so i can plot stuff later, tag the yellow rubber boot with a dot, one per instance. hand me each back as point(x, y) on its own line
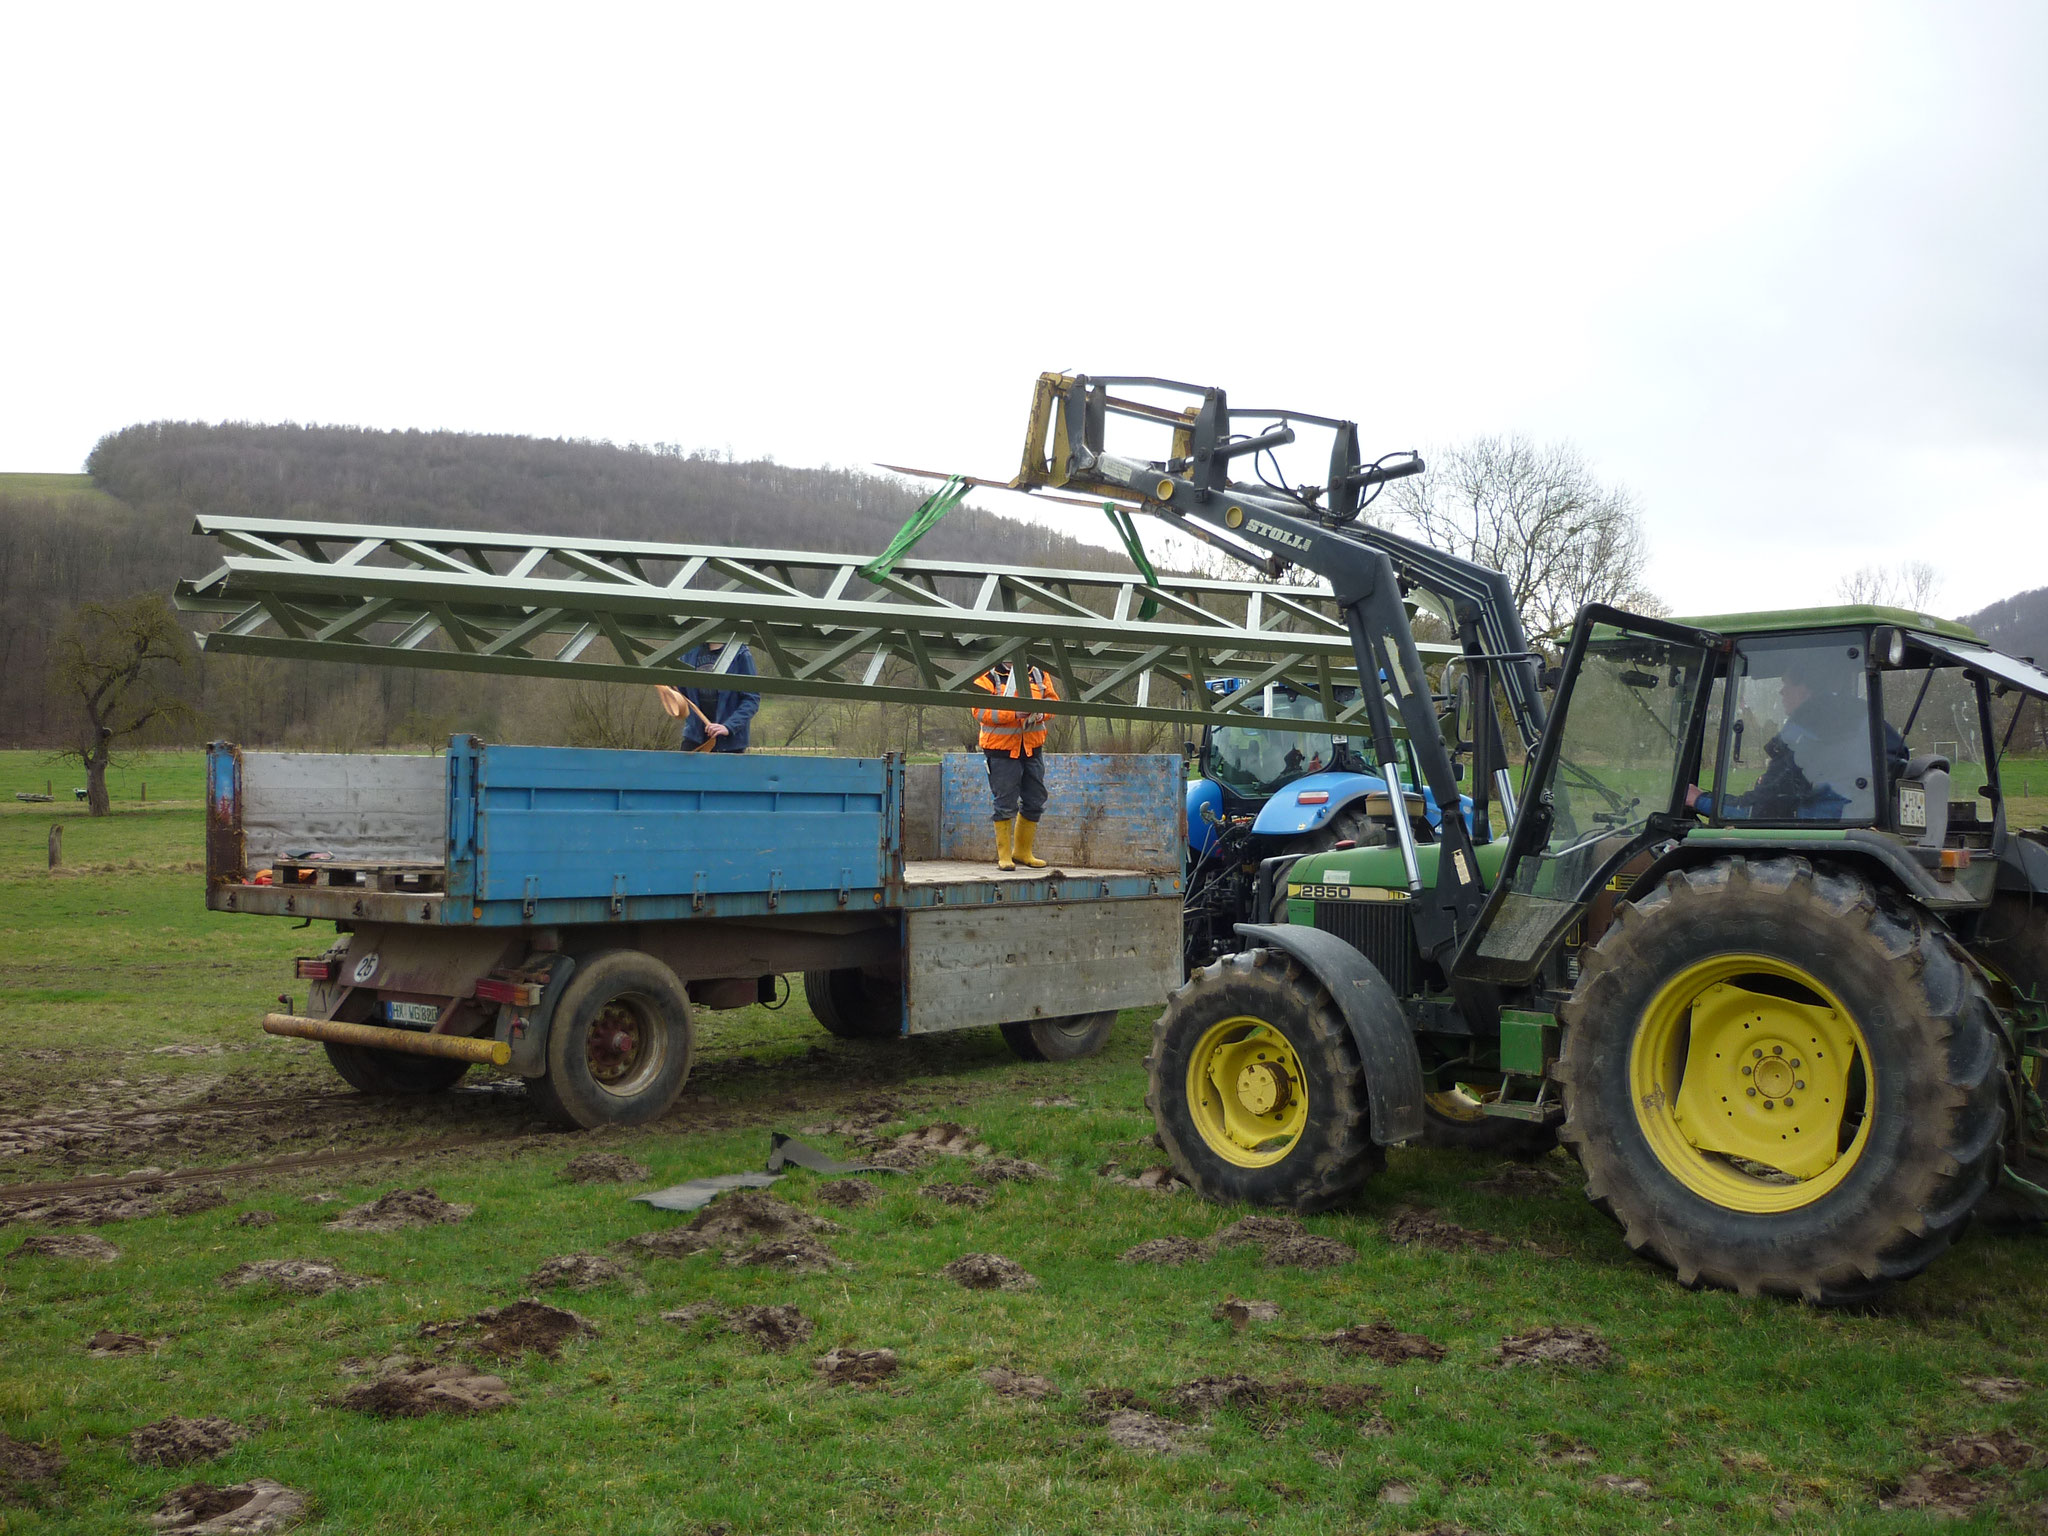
point(1005, 840)
point(1027, 834)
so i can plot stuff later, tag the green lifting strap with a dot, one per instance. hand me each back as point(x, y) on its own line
point(922, 521)
point(1120, 520)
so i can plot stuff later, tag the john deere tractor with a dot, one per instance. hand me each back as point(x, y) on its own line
point(1762, 943)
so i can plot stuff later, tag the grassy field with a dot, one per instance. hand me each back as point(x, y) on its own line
point(74, 491)
point(1714, 1414)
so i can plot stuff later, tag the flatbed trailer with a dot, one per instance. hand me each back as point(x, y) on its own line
point(565, 911)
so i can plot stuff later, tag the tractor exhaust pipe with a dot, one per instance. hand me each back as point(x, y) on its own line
point(410, 1041)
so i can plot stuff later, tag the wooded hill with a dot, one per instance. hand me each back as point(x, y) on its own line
point(66, 540)
point(2018, 625)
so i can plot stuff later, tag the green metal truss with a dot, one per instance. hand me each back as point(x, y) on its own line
point(622, 611)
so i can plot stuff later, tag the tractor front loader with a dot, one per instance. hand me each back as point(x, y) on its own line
point(1748, 946)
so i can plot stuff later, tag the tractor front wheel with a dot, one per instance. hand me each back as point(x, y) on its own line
point(1256, 1087)
point(1778, 1082)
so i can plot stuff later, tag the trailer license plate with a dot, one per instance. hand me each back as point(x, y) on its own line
point(412, 1013)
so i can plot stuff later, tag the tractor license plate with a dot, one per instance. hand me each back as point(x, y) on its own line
point(412, 1013)
point(1912, 806)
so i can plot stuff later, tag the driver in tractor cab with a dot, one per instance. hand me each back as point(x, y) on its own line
point(1818, 763)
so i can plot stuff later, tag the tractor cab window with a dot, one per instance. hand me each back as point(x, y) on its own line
point(1799, 746)
point(1255, 760)
point(1622, 728)
point(1935, 712)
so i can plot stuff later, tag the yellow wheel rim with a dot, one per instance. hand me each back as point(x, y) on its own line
point(1247, 1092)
point(1745, 1094)
point(1463, 1101)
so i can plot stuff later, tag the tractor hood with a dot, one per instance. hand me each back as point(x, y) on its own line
point(1288, 815)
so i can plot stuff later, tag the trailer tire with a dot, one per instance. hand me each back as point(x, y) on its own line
point(393, 1074)
point(1072, 1038)
point(1242, 1018)
point(853, 1005)
point(1736, 970)
point(619, 1046)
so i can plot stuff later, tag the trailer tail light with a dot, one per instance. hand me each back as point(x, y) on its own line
point(1313, 797)
point(315, 970)
point(520, 994)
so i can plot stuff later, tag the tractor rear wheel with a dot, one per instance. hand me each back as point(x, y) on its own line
point(853, 1005)
point(1777, 1082)
point(1256, 1087)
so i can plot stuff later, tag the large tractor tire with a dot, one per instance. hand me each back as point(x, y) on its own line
point(854, 1005)
point(2012, 942)
point(393, 1074)
point(619, 1046)
point(1256, 1087)
point(1071, 1038)
point(1777, 1082)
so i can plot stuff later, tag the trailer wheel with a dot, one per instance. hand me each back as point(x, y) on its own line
point(1256, 1086)
point(1455, 1116)
point(620, 1045)
point(1778, 1082)
point(393, 1073)
point(1065, 1039)
point(853, 1005)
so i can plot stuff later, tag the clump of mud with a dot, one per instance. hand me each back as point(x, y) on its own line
point(25, 1470)
point(957, 1194)
point(746, 1214)
point(256, 1219)
point(1555, 1346)
point(776, 1329)
point(857, 1367)
point(1239, 1314)
point(1274, 1405)
point(848, 1193)
point(1159, 1179)
point(1999, 1389)
point(1006, 1383)
point(1100, 1404)
point(66, 1245)
point(296, 1277)
point(521, 1328)
point(1385, 1343)
point(398, 1210)
point(1012, 1170)
point(1166, 1250)
point(1284, 1242)
point(202, 1197)
point(1147, 1433)
point(107, 1344)
point(793, 1255)
point(668, 1243)
point(1426, 1229)
point(176, 1442)
point(253, 1508)
point(605, 1168)
point(90, 1208)
point(418, 1388)
point(989, 1272)
point(576, 1272)
point(913, 1149)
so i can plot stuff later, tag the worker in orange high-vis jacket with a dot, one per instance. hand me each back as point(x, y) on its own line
point(1013, 742)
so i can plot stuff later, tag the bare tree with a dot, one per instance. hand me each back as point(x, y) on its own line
point(1537, 513)
point(125, 662)
point(1911, 585)
point(617, 715)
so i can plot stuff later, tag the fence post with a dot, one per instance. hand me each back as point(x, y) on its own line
point(56, 844)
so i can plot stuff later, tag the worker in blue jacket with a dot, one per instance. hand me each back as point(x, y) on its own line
point(718, 716)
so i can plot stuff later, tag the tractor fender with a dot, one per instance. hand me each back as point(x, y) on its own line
point(1284, 816)
point(1386, 1044)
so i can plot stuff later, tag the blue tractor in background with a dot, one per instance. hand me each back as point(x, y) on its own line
point(1266, 797)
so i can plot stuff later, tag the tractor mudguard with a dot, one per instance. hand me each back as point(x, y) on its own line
point(1386, 1045)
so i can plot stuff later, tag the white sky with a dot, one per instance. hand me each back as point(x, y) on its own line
point(1780, 269)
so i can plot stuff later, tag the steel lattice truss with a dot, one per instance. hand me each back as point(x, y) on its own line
point(621, 611)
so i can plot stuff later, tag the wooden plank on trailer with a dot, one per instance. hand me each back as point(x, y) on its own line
point(966, 967)
point(368, 807)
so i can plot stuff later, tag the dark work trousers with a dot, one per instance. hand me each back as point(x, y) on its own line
point(1015, 779)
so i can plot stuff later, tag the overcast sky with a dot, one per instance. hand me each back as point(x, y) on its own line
point(1782, 270)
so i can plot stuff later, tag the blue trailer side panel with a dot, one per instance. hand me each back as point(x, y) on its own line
point(535, 829)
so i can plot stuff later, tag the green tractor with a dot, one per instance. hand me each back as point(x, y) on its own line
point(1758, 939)
point(1751, 950)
